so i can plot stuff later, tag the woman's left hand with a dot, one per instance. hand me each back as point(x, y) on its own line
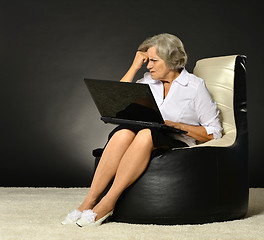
point(197, 132)
point(173, 124)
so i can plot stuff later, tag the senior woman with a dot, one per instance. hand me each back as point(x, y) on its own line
point(184, 103)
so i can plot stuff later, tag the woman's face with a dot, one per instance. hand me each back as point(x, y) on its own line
point(157, 66)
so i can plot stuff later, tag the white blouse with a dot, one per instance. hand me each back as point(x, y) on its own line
point(188, 101)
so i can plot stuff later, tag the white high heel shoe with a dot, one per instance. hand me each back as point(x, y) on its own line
point(88, 219)
point(72, 217)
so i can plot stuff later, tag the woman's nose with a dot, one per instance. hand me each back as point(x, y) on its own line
point(149, 66)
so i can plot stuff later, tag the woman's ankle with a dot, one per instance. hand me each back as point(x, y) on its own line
point(103, 208)
point(87, 204)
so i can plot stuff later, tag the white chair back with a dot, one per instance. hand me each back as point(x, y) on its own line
point(218, 74)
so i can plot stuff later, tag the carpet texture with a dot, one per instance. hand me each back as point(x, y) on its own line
point(36, 213)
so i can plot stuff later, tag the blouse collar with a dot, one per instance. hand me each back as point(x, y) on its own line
point(182, 79)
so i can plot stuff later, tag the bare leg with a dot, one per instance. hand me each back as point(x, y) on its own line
point(131, 166)
point(107, 166)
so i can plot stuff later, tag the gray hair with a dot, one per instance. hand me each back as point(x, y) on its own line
point(169, 48)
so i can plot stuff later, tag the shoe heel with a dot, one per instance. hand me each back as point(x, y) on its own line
point(104, 219)
point(107, 220)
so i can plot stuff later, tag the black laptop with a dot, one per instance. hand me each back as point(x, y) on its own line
point(127, 103)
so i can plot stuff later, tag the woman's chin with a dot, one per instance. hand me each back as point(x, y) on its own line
point(154, 76)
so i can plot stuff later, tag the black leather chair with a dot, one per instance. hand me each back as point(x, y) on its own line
point(204, 183)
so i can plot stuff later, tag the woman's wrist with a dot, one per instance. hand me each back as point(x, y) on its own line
point(129, 76)
point(178, 125)
point(134, 69)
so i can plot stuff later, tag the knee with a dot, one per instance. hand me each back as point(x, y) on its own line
point(144, 137)
point(124, 135)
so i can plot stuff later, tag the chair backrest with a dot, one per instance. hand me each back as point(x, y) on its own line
point(218, 74)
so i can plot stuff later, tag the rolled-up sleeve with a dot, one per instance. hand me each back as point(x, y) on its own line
point(214, 127)
point(207, 112)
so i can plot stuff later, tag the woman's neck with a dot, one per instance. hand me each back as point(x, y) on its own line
point(171, 76)
point(167, 82)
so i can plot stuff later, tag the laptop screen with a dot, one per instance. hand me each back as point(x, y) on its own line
point(131, 101)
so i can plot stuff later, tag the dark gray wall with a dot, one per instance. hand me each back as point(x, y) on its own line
point(49, 124)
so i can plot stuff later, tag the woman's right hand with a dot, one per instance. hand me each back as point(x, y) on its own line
point(139, 60)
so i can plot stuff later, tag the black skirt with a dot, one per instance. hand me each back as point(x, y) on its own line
point(160, 138)
point(161, 141)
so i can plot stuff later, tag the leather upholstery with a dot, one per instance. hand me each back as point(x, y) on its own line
point(205, 183)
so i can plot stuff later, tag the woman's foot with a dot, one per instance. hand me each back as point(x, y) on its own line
point(75, 215)
point(72, 217)
point(88, 219)
point(95, 217)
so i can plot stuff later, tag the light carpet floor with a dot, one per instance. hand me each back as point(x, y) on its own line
point(36, 213)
